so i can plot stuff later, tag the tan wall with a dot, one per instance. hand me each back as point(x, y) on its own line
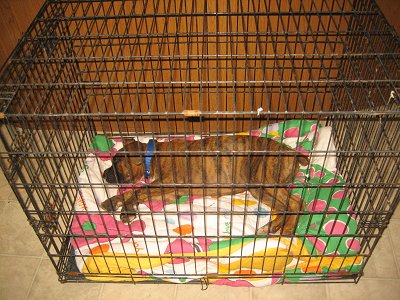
point(15, 17)
point(391, 10)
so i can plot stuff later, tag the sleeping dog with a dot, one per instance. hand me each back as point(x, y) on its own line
point(214, 166)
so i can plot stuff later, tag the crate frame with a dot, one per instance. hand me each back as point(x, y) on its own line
point(356, 93)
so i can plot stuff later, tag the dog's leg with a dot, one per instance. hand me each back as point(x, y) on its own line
point(157, 194)
point(129, 211)
point(288, 208)
point(117, 201)
point(112, 204)
point(296, 207)
point(129, 203)
point(285, 203)
point(130, 200)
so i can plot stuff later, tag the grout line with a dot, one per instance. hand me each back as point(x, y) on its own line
point(363, 278)
point(389, 235)
point(394, 253)
point(327, 291)
point(378, 278)
point(5, 185)
point(176, 291)
point(21, 255)
point(33, 279)
point(101, 292)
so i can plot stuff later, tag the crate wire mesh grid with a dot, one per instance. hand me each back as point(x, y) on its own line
point(89, 74)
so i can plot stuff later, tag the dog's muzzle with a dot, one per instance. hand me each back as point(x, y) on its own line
point(110, 175)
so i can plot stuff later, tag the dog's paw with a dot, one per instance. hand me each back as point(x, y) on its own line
point(112, 204)
point(263, 230)
point(272, 228)
point(268, 229)
point(280, 225)
point(128, 213)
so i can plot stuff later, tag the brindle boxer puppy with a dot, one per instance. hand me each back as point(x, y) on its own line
point(273, 166)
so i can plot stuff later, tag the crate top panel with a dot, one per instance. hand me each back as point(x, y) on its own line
point(107, 58)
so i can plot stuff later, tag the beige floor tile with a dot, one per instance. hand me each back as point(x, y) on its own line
point(5, 190)
point(16, 276)
point(11, 197)
point(370, 268)
point(3, 180)
point(6, 193)
point(396, 214)
point(16, 235)
point(383, 260)
point(138, 291)
point(46, 286)
point(394, 229)
point(3, 206)
point(288, 291)
point(366, 289)
point(214, 292)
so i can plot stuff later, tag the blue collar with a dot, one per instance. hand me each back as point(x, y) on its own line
point(148, 156)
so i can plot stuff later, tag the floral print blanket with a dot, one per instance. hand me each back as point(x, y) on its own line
point(211, 238)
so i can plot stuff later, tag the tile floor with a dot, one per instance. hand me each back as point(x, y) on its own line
point(26, 272)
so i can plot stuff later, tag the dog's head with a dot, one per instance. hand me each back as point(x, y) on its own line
point(127, 164)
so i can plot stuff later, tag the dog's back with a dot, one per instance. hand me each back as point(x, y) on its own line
point(226, 160)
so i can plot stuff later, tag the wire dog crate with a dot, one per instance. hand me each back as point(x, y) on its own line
point(321, 77)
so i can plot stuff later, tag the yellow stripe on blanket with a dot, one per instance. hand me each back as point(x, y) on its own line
point(254, 253)
point(109, 262)
point(315, 264)
point(120, 263)
point(271, 260)
point(259, 255)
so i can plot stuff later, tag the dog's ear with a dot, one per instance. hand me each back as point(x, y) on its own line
point(133, 149)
